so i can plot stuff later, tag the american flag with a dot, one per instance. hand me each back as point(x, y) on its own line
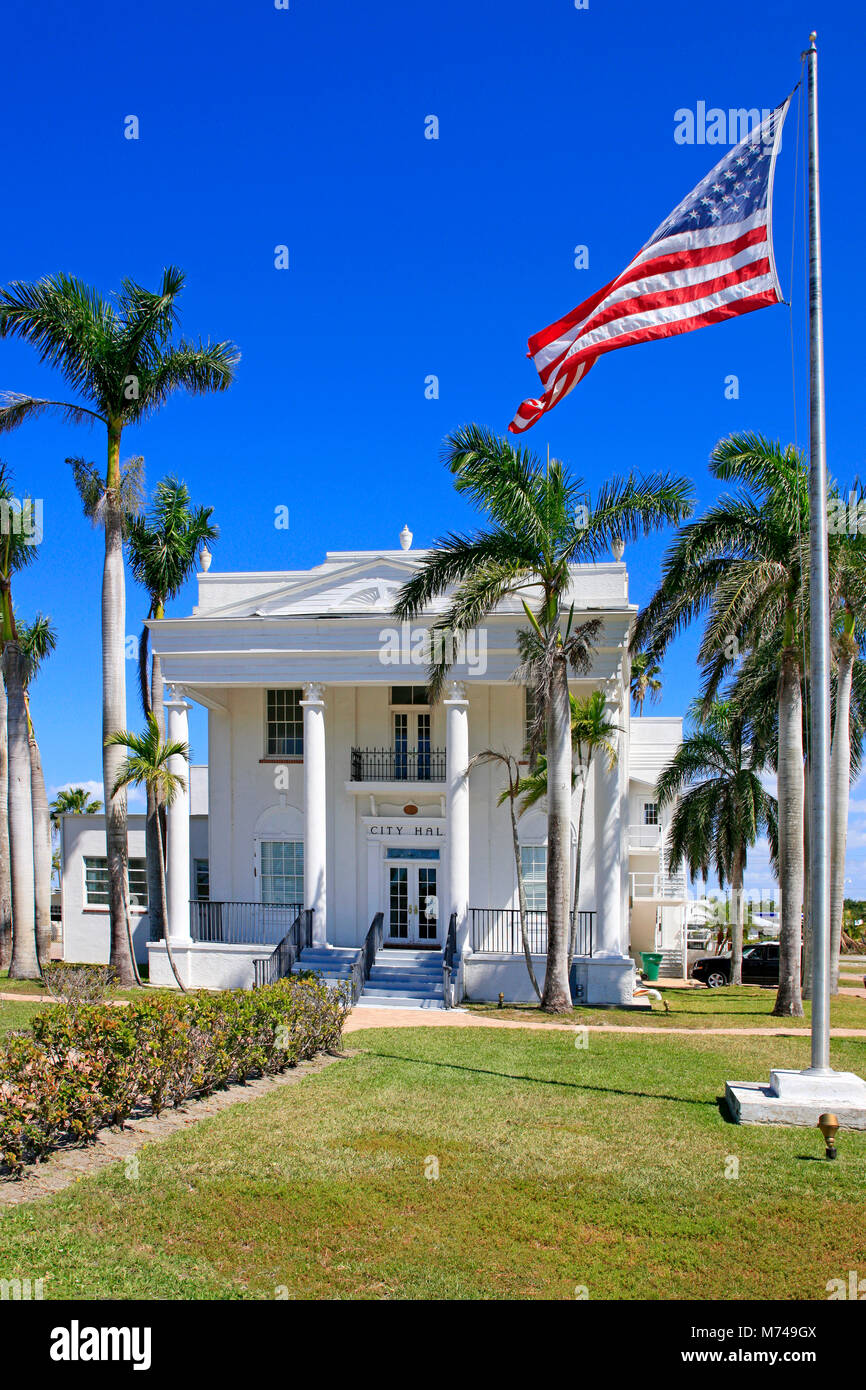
point(710, 260)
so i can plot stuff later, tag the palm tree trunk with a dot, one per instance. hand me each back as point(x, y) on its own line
point(41, 853)
point(156, 704)
point(806, 972)
point(737, 922)
point(164, 906)
point(113, 720)
point(789, 1003)
point(521, 897)
point(5, 878)
point(557, 992)
point(582, 775)
point(24, 964)
point(840, 780)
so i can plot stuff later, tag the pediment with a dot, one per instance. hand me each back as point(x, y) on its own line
point(370, 585)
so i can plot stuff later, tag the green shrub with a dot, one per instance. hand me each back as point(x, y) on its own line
point(84, 1065)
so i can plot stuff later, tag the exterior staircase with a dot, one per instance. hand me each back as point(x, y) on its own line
point(402, 979)
point(671, 964)
point(333, 963)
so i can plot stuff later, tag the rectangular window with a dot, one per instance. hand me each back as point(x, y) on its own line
point(282, 871)
point(201, 879)
point(650, 813)
point(96, 883)
point(409, 695)
point(285, 724)
point(533, 861)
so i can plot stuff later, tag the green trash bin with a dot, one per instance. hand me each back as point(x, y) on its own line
point(651, 962)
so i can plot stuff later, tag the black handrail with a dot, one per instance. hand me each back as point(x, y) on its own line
point(449, 957)
point(398, 765)
point(363, 963)
point(241, 923)
point(498, 929)
point(276, 966)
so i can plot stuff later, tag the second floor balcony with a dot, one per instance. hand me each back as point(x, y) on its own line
point(398, 765)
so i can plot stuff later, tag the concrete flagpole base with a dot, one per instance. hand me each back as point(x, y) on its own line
point(798, 1098)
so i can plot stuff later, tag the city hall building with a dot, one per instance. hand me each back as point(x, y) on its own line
point(334, 787)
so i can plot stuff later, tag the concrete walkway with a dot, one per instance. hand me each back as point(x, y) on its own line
point(370, 1017)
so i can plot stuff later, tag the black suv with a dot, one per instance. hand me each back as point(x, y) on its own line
point(760, 967)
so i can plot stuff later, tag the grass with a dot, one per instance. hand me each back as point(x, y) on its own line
point(748, 1006)
point(558, 1167)
point(16, 1015)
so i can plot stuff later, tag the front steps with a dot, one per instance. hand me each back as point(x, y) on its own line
point(404, 979)
point(333, 963)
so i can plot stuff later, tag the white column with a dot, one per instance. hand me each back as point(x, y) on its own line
point(177, 823)
point(610, 846)
point(457, 807)
point(315, 825)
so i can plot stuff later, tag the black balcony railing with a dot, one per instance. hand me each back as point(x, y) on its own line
point(498, 929)
point(398, 765)
point(241, 924)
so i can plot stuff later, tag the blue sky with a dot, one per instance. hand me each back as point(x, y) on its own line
point(408, 257)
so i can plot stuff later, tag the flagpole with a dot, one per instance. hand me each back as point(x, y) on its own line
point(819, 628)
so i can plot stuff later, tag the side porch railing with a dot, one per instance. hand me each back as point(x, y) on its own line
point(268, 969)
point(241, 923)
point(497, 929)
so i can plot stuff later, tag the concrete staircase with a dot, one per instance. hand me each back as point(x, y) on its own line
point(404, 979)
point(333, 963)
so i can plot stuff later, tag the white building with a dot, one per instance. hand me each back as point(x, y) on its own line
point(84, 880)
point(334, 787)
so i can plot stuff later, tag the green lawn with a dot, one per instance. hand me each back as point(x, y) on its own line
point(748, 1006)
point(15, 1015)
point(558, 1167)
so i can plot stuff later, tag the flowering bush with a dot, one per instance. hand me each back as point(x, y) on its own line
point(85, 1065)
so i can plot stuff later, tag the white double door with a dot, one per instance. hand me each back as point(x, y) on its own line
point(412, 895)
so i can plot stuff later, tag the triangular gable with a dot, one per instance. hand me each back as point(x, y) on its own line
point(369, 584)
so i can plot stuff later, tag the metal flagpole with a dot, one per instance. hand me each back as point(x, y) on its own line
point(819, 633)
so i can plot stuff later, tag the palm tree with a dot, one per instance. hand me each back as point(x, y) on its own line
point(120, 360)
point(746, 563)
point(16, 552)
point(162, 547)
point(540, 522)
point(75, 801)
point(38, 639)
point(847, 564)
point(645, 679)
point(590, 730)
point(147, 765)
point(721, 805)
point(5, 867)
point(510, 794)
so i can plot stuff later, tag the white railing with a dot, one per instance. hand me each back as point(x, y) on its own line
point(644, 836)
point(648, 885)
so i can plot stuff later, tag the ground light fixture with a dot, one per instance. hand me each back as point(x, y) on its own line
point(829, 1127)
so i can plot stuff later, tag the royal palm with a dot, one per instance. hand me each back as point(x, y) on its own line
point(745, 564)
point(721, 805)
point(162, 545)
point(538, 522)
point(121, 361)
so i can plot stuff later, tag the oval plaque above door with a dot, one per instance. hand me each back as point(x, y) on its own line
point(410, 810)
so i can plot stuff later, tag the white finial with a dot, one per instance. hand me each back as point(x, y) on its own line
point(405, 538)
point(204, 558)
point(617, 545)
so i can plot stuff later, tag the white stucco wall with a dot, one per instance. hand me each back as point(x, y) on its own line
point(86, 935)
